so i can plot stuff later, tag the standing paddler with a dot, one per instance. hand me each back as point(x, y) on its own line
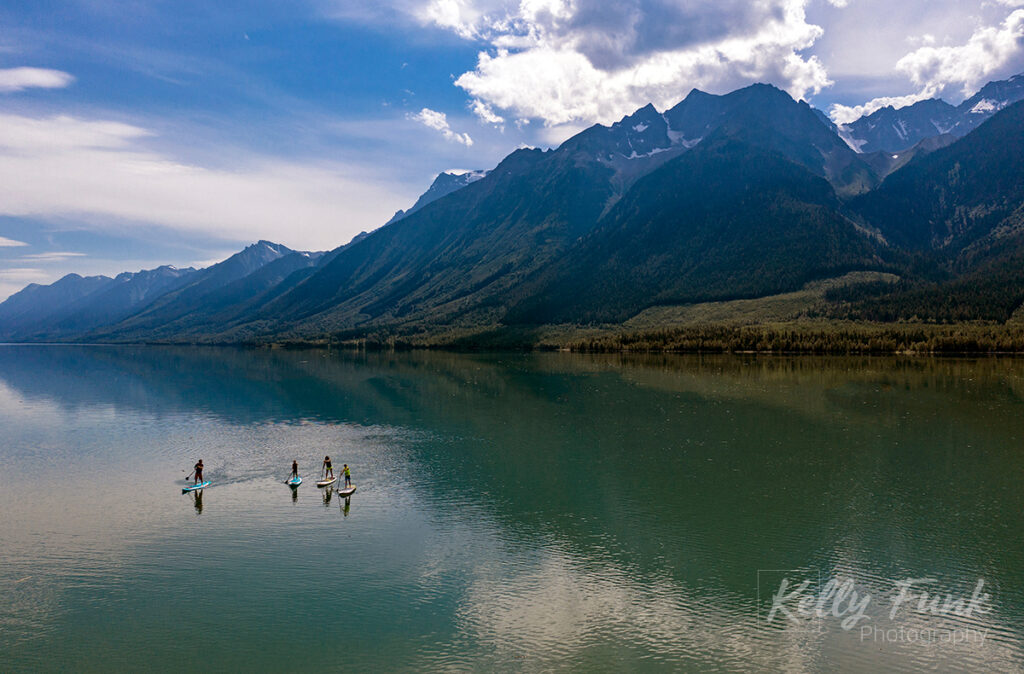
point(197, 470)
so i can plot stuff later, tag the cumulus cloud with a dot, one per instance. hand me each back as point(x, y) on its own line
point(17, 79)
point(102, 174)
point(844, 114)
point(968, 65)
point(573, 61)
point(963, 68)
point(439, 122)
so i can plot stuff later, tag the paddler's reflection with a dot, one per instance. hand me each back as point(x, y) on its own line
point(295, 495)
point(327, 496)
point(198, 496)
point(345, 505)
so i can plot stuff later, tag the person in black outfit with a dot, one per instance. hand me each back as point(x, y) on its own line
point(198, 472)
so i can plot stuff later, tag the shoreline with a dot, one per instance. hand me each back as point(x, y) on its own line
point(786, 338)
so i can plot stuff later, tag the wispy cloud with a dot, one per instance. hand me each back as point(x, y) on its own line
point(23, 273)
point(55, 256)
point(439, 121)
point(17, 79)
point(14, 279)
point(104, 174)
point(10, 243)
point(485, 112)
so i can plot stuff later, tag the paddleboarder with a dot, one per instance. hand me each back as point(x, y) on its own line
point(295, 468)
point(348, 476)
point(198, 472)
point(328, 470)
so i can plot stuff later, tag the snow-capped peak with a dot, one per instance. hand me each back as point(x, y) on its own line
point(470, 175)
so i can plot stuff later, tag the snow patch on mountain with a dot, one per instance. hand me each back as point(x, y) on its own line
point(987, 106)
point(846, 134)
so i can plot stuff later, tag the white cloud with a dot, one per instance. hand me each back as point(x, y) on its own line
point(989, 48)
point(10, 243)
point(17, 79)
point(555, 135)
point(439, 122)
point(14, 279)
point(102, 174)
point(55, 256)
point(964, 67)
point(485, 113)
point(581, 61)
point(23, 273)
point(844, 114)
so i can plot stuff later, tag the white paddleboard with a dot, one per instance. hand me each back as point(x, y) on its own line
point(347, 491)
point(329, 481)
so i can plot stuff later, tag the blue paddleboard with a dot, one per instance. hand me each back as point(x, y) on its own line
point(294, 482)
point(193, 487)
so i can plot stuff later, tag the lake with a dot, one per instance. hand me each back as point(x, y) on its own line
point(514, 512)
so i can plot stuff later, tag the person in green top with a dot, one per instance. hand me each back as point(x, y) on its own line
point(348, 476)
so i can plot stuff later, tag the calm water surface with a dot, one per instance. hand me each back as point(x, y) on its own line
point(513, 512)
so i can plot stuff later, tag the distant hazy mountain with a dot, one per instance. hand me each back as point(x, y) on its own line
point(891, 130)
point(75, 306)
point(198, 291)
point(35, 303)
point(443, 185)
point(125, 294)
point(217, 307)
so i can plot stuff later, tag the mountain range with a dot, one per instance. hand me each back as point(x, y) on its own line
point(890, 130)
point(743, 195)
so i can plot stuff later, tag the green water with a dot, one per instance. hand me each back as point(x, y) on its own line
point(513, 513)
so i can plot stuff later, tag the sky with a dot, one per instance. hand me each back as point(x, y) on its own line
point(135, 133)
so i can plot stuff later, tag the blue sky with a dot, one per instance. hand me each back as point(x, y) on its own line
point(137, 133)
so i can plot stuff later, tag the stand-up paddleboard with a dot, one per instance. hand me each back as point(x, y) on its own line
point(326, 482)
point(194, 487)
point(294, 482)
point(347, 491)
